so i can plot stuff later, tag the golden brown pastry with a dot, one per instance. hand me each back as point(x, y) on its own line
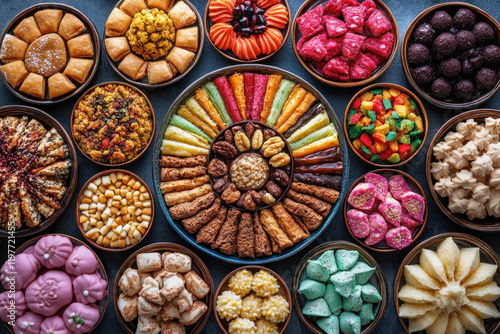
point(182, 15)
point(271, 226)
point(160, 4)
point(59, 85)
point(81, 47)
point(78, 69)
point(117, 23)
point(133, 66)
point(180, 58)
point(158, 72)
point(70, 27)
point(172, 68)
point(34, 85)
point(187, 38)
point(48, 20)
point(12, 49)
point(27, 30)
point(132, 7)
point(46, 55)
point(117, 47)
point(14, 72)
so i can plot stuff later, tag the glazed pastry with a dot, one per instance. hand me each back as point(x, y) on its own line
point(117, 47)
point(52, 251)
point(14, 72)
point(70, 27)
point(27, 30)
point(133, 66)
point(132, 7)
point(158, 72)
point(54, 325)
point(147, 325)
point(127, 305)
point(34, 85)
point(180, 58)
point(187, 38)
point(160, 4)
point(246, 48)
point(81, 47)
point(49, 293)
point(182, 15)
point(81, 261)
point(48, 20)
point(118, 23)
point(80, 318)
point(223, 35)
point(89, 288)
point(147, 262)
point(13, 48)
point(28, 323)
point(277, 16)
point(221, 10)
point(78, 69)
point(6, 300)
point(46, 55)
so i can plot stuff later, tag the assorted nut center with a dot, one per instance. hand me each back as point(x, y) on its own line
point(249, 171)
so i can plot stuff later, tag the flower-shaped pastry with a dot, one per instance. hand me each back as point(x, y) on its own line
point(454, 139)
point(467, 129)
point(445, 186)
point(465, 179)
point(440, 169)
point(482, 166)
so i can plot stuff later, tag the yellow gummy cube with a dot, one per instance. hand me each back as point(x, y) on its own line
point(380, 147)
point(384, 129)
point(367, 105)
point(394, 92)
point(401, 110)
point(411, 116)
point(419, 123)
point(386, 95)
point(377, 123)
point(356, 143)
point(365, 121)
point(393, 145)
point(408, 105)
point(366, 96)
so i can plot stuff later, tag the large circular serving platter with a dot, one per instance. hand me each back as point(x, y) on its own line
point(259, 69)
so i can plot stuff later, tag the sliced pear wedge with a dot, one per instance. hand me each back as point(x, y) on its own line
point(469, 261)
point(449, 254)
point(431, 263)
point(421, 323)
point(416, 276)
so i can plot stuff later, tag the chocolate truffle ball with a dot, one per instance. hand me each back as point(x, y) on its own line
point(417, 54)
point(464, 90)
point(465, 40)
point(464, 19)
point(441, 21)
point(450, 68)
point(440, 89)
point(484, 33)
point(486, 79)
point(445, 44)
point(424, 34)
point(423, 75)
point(467, 68)
point(491, 55)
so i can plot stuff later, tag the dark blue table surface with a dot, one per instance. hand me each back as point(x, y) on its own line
point(98, 11)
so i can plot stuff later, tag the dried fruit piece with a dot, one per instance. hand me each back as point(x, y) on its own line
point(228, 136)
point(280, 160)
point(249, 203)
point(257, 197)
point(268, 198)
point(242, 142)
point(257, 139)
point(399, 237)
point(268, 134)
point(380, 183)
point(392, 211)
point(273, 146)
point(221, 184)
point(398, 186)
point(231, 194)
point(249, 129)
point(280, 177)
point(274, 189)
point(361, 197)
point(225, 149)
point(414, 204)
point(358, 222)
point(378, 228)
point(217, 168)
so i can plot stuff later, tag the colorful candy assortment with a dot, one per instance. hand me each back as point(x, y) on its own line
point(385, 210)
point(385, 125)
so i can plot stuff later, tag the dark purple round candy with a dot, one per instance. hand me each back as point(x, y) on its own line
point(465, 40)
point(484, 33)
point(445, 44)
point(423, 75)
point(440, 89)
point(450, 68)
point(491, 55)
point(418, 54)
point(486, 79)
point(441, 21)
point(464, 90)
point(424, 34)
point(464, 19)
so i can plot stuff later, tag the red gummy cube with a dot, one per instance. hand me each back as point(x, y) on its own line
point(333, 47)
point(301, 43)
point(355, 118)
point(314, 49)
point(362, 68)
point(366, 62)
point(386, 154)
point(375, 58)
point(381, 46)
point(370, 7)
point(357, 104)
point(311, 23)
point(378, 106)
point(334, 7)
point(334, 26)
point(354, 18)
point(352, 45)
point(378, 24)
point(366, 140)
point(373, 149)
point(378, 137)
point(318, 65)
point(337, 69)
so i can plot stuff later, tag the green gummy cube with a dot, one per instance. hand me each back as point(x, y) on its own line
point(387, 104)
point(316, 308)
point(365, 149)
point(366, 314)
point(346, 259)
point(354, 302)
point(328, 260)
point(312, 289)
point(354, 131)
point(376, 159)
point(343, 282)
point(415, 144)
point(372, 114)
point(404, 139)
point(390, 136)
point(377, 91)
point(392, 123)
point(333, 299)
point(394, 158)
point(369, 129)
point(370, 294)
point(329, 324)
point(395, 114)
point(362, 272)
point(317, 271)
point(407, 125)
point(415, 133)
point(413, 104)
point(350, 323)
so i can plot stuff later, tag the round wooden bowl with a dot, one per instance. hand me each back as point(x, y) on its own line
point(489, 224)
point(50, 122)
point(90, 29)
point(153, 125)
point(80, 197)
point(296, 35)
point(415, 187)
point(426, 16)
point(101, 304)
point(420, 106)
point(377, 280)
point(224, 286)
point(197, 265)
point(228, 54)
point(144, 81)
point(463, 240)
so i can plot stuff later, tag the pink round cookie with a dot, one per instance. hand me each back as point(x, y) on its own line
point(23, 270)
point(80, 318)
point(89, 288)
point(54, 325)
point(8, 310)
point(28, 323)
point(49, 292)
point(53, 250)
point(81, 261)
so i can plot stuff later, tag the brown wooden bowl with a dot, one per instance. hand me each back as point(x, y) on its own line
point(80, 197)
point(153, 125)
point(144, 81)
point(420, 108)
point(228, 54)
point(197, 265)
point(426, 16)
point(377, 280)
point(48, 121)
point(101, 304)
point(296, 35)
point(487, 254)
point(412, 183)
point(90, 29)
point(489, 224)
point(283, 291)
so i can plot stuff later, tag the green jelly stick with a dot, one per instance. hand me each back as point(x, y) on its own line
point(326, 131)
point(218, 102)
point(187, 125)
point(279, 101)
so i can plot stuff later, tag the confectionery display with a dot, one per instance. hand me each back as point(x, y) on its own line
point(466, 169)
point(113, 123)
point(345, 40)
point(248, 28)
point(385, 211)
point(449, 290)
point(60, 287)
point(35, 166)
point(385, 125)
point(164, 291)
point(48, 54)
point(339, 293)
point(152, 42)
point(454, 55)
point(252, 303)
point(116, 210)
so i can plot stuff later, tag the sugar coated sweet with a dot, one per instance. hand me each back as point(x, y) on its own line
point(378, 228)
point(328, 260)
point(312, 289)
point(266, 327)
point(329, 324)
point(391, 210)
point(399, 237)
point(317, 271)
point(414, 204)
point(264, 284)
point(242, 326)
point(346, 259)
point(380, 183)
point(358, 221)
point(316, 308)
point(275, 308)
point(228, 305)
point(241, 282)
point(398, 186)
point(350, 323)
point(251, 307)
point(361, 197)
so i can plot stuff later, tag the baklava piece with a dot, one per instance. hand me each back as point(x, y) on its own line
point(180, 58)
point(182, 15)
point(13, 49)
point(14, 72)
point(132, 7)
point(78, 69)
point(118, 23)
point(160, 4)
point(133, 66)
point(158, 72)
point(70, 27)
point(34, 85)
point(48, 20)
point(117, 47)
point(27, 30)
point(81, 47)
point(59, 85)
point(187, 38)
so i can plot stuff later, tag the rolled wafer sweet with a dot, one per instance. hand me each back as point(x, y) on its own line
point(226, 240)
point(271, 226)
point(169, 174)
point(320, 206)
point(194, 223)
point(208, 233)
point(189, 209)
point(322, 180)
point(262, 244)
point(184, 184)
point(329, 195)
point(309, 217)
point(180, 197)
point(245, 243)
point(171, 161)
point(288, 224)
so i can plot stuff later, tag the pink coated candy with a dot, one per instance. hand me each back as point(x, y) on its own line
point(398, 186)
point(358, 222)
point(28, 323)
point(378, 227)
point(54, 325)
point(362, 196)
point(392, 211)
point(408, 221)
point(399, 237)
point(9, 311)
point(49, 292)
point(380, 183)
point(24, 270)
point(89, 288)
point(81, 261)
point(87, 315)
point(414, 204)
point(53, 250)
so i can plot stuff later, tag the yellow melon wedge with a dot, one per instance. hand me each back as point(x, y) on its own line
point(484, 310)
point(439, 325)
point(449, 254)
point(483, 274)
point(410, 294)
point(432, 265)
point(421, 323)
point(471, 321)
point(468, 262)
point(488, 292)
point(416, 276)
point(408, 310)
